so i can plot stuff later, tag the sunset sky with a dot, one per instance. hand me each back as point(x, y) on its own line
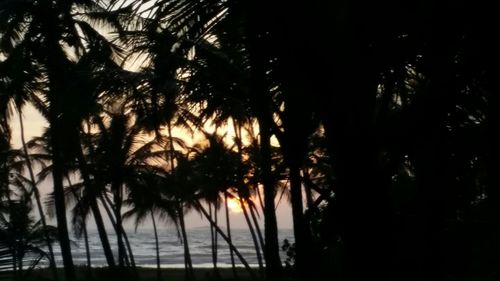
point(34, 124)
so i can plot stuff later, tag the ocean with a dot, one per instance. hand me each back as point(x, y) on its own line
point(171, 250)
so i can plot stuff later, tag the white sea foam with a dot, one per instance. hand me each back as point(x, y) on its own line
point(171, 249)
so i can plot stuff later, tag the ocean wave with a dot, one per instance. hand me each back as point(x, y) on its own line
point(171, 249)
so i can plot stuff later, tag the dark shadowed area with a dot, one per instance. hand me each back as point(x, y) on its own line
point(249, 140)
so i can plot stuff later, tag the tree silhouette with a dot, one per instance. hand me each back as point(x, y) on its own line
point(23, 235)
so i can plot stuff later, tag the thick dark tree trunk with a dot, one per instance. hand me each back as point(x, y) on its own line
point(303, 243)
point(362, 184)
point(261, 104)
point(271, 251)
point(431, 155)
point(57, 176)
point(56, 69)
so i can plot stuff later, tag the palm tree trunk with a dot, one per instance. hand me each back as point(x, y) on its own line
point(87, 251)
point(228, 226)
point(14, 265)
point(307, 189)
point(223, 235)
point(237, 130)
point(216, 248)
point(252, 233)
point(85, 235)
point(301, 232)
point(57, 176)
point(99, 222)
point(117, 198)
point(157, 245)
point(20, 267)
point(212, 238)
point(106, 202)
point(129, 248)
point(262, 106)
point(56, 62)
point(256, 223)
point(37, 196)
point(187, 254)
point(271, 251)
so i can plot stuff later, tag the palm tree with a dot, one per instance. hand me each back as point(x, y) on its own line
point(77, 196)
point(146, 201)
point(41, 152)
point(228, 230)
point(23, 235)
point(21, 82)
point(238, 68)
point(178, 187)
point(121, 156)
point(45, 30)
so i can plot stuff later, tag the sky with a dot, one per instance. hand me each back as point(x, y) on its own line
point(34, 125)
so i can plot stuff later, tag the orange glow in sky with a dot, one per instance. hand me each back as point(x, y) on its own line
point(234, 205)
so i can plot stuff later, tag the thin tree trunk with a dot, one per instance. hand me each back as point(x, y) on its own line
point(212, 238)
point(187, 254)
point(157, 245)
point(37, 196)
point(257, 189)
point(106, 202)
point(172, 148)
point(237, 130)
point(129, 248)
point(87, 251)
point(101, 229)
point(20, 266)
point(85, 234)
point(257, 227)
point(252, 233)
point(216, 248)
point(228, 226)
point(117, 198)
point(223, 235)
point(14, 265)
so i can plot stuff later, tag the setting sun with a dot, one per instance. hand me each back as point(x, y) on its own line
point(234, 205)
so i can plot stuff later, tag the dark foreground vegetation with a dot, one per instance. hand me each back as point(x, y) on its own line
point(378, 119)
point(143, 274)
